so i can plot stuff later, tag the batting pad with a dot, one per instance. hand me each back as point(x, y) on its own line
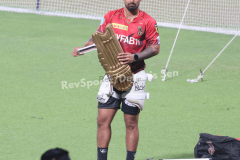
point(108, 49)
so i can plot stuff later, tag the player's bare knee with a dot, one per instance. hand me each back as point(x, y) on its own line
point(102, 122)
point(131, 125)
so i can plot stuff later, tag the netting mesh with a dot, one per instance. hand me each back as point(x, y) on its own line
point(221, 16)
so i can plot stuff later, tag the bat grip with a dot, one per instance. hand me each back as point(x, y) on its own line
point(87, 49)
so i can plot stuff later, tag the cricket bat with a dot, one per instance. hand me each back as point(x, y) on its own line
point(87, 49)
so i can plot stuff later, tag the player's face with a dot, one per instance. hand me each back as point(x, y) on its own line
point(131, 5)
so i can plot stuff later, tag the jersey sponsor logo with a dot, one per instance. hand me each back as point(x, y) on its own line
point(140, 31)
point(120, 26)
point(128, 39)
point(156, 27)
point(103, 20)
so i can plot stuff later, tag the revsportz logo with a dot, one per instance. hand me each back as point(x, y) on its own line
point(120, 78)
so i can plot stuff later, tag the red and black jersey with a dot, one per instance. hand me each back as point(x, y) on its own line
point(134, 37)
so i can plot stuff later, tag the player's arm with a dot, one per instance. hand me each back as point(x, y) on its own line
point(89, 42)
point(128, 58)
point(151, 51)
point(75, 51)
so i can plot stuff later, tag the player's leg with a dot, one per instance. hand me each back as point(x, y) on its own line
point(132, 135)
point(104, 119)
point(131, 114)
point(133, 101)
point(106, 113)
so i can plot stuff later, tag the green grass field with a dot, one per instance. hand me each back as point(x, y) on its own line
point(36, 114)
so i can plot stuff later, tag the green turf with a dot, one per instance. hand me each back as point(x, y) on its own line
point(36, 114)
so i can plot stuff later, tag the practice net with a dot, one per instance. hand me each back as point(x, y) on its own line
point(219, 16)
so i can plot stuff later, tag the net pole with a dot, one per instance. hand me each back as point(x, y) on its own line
point(201, 73)
point(222, 51)
point(177, 33)
point(38, 4)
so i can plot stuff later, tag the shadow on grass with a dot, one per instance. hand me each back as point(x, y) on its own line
point(174, 156)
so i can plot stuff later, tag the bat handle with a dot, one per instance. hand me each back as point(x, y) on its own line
point(86, 49)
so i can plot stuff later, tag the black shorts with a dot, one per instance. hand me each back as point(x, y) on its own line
point(115, 103)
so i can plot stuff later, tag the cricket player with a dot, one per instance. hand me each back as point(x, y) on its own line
point(138, 35)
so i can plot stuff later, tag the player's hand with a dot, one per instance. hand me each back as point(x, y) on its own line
point(75, 53)
point(125, 58)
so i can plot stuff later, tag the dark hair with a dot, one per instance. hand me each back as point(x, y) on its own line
point(57, 153)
